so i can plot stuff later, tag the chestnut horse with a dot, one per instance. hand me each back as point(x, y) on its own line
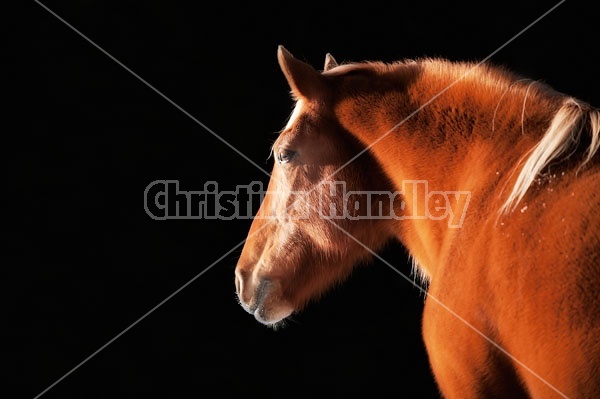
point(501, 216)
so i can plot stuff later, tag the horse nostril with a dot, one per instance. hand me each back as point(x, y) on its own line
point(251, 290)
point(261, 290)
point(239, 283)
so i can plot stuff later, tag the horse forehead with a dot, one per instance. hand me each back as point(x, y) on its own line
point(299, 109)
point(302, 120)
point(307, 117)
point(310, 127)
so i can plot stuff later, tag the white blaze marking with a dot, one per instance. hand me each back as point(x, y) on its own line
point(295, 113)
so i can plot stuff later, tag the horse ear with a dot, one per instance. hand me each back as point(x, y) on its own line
point(330, 62)
point(305, 81)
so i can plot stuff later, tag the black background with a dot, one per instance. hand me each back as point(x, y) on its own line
point(94, 262)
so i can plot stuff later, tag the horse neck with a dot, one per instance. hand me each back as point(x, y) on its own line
point(468, 139)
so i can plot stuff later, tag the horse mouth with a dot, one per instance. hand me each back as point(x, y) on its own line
point(266, 306)
point(272, 317)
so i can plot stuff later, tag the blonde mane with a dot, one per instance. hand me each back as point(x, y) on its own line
point(562, 137)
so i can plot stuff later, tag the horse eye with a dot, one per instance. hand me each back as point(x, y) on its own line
point(285, 156)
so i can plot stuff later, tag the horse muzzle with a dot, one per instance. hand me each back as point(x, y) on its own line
point(262, 297)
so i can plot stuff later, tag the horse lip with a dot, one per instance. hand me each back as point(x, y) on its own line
point(257, 310)
point(249, 309)
point(259, 314)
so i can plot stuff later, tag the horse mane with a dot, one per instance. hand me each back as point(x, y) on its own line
point(559, 141)
point(563, 136)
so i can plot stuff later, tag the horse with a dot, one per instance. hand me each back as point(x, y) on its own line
point(496, 197)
